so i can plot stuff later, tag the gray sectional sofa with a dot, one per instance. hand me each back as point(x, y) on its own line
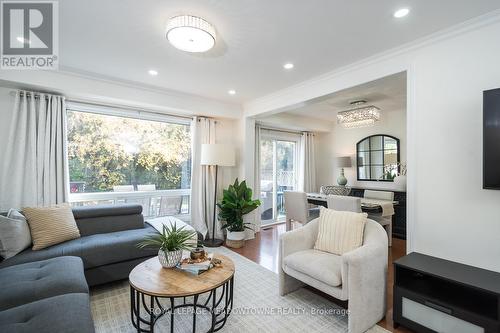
point(47, 290)
point(47, 296)
point(107, 246)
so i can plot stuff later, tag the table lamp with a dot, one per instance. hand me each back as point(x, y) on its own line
point(343, 162)
point(216, 154)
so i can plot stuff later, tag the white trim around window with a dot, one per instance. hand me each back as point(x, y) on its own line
point(127, 112)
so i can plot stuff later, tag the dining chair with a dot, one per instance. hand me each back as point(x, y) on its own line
point(123, 188)
point(296, 208)
point(146, 187)
point(343, 203)
point(149, 204)
point(384, 220)
point(171, 205)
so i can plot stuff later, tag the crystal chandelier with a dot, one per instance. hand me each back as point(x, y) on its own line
point(190, 33)
point(358, 117)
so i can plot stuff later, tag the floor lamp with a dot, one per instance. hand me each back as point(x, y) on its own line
point(216, 154)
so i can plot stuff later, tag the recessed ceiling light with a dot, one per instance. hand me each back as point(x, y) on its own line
point(288, 65)
point(152, 72)
point(231, 92)
point(190, 33)
point(401, 12)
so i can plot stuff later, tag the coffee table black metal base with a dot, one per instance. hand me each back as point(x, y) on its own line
point(218, 304)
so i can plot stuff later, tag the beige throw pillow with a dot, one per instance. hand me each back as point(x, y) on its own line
point(339, 231)
point(51, 225)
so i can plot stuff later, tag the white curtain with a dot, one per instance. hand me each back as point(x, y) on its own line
point(202, 179)
point(255, 215)
point(34, 170)
point(307, 167)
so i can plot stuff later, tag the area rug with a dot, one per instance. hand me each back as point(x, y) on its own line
point(258, 307)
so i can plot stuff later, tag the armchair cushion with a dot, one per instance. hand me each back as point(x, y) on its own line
point(340, 231)
point(319, 265)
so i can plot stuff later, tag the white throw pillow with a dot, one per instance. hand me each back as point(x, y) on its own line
point(340, 231)
point(14, 234)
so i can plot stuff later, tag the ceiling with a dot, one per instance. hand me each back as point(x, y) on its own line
point(387, 93)
point(122, 39)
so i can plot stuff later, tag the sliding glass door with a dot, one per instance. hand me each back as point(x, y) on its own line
point(278, 173)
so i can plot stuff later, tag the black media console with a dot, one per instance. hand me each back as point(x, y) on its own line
point(437, 295)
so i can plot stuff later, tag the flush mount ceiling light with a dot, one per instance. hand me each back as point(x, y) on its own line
point(360, 116)
point(231, 92)
point(401, 12)
point(190, 33)
point(152, 72)
point(288, 65)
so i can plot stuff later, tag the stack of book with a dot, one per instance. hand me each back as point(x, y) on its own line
point(196, 267)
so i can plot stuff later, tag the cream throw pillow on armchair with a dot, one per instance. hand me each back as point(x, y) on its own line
point(51, 225)
point(340, 231)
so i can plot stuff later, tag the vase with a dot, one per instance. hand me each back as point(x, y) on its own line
point(169, 259)
point(341, 180)
point(235, 239)
point(400, 182)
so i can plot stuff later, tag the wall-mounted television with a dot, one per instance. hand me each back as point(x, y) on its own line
point(491, 139)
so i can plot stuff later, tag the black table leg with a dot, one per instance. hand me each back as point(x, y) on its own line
point(220, 308)
point(172, 310)
point(195, 299)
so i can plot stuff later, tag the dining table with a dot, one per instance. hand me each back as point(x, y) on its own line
point(367, 205)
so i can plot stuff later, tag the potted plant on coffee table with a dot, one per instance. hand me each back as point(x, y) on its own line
point(235, 204)
point(171, 242)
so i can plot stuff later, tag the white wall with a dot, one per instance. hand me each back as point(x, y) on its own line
point(296, 122)
point(449, 214)
point(342, 142)
point(456, 218)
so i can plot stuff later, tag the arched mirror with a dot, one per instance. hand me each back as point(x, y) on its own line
point(377, 158)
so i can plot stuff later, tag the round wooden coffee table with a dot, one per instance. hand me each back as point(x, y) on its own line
point(150, 284)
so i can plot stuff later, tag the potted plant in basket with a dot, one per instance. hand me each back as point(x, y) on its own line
point(172, 241)
point(236, 202)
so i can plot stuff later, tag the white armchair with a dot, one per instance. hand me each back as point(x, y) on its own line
point(359, 276)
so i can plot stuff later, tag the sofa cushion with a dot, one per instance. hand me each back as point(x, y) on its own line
point(15, 234)
point(37, 280)
point(95, 250)
point(104, 219)
point(319, 265)
point(68, 313)
point(51, 225)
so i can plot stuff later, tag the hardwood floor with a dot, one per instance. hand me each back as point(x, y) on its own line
point(264, 251)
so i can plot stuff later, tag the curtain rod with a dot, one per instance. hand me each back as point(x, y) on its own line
point(32, 93)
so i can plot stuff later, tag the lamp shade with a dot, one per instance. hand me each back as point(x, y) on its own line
point(217, 154)
point(344, 162)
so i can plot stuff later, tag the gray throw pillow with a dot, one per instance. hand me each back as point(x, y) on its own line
point(14, 234)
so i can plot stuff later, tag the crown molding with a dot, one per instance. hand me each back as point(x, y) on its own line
point(283, 98)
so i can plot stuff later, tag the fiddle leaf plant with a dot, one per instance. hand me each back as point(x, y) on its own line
point(236, 202)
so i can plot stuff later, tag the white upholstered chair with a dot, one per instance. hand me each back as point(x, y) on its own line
point(344, 203)
point(296, 208)
point(385, 221)
point(358, 276)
